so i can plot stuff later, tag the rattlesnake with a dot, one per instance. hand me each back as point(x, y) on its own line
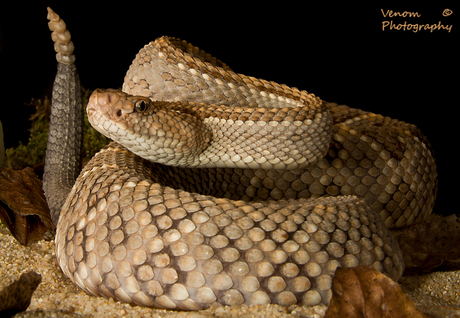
point(255, 194)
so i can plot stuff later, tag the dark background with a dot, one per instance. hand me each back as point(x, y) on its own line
point(338, 52)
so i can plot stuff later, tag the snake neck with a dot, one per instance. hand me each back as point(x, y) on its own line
point(63, 151)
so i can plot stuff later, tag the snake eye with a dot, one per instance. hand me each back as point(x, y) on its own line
point(141, 106)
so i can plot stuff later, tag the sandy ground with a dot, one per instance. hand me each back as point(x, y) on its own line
point(56, 296)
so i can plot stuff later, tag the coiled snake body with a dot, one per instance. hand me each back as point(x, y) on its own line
point(250, 191)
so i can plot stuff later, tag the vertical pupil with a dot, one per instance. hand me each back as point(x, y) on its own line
point(141, 106)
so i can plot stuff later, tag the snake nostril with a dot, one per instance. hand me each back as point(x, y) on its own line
point(119, 112)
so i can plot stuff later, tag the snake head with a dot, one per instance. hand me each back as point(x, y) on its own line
point(114, 108)
point(154, 130)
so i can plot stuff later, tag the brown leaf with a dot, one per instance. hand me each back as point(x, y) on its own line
point(16, 297)
point(363, 292)
point(438, 244)
point(23, 206)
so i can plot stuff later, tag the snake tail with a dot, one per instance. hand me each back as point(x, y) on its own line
point(63, 152)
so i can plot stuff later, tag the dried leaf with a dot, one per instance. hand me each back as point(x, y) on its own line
point(363, 292)
point(438, 245)
point(441, 311)
point(16, 297)
point(23, 206)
